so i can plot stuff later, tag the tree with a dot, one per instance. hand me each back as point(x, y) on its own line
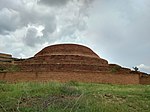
point(135, 68)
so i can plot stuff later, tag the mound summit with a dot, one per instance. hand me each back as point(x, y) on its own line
point(65, 62)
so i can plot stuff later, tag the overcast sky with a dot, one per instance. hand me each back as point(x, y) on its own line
point(117, 30)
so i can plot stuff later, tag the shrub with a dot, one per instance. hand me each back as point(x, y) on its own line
point(135, 68)
point(13, 68)
point(72, 83)
point(115, 69)
point(70, 90)
point(2, 68)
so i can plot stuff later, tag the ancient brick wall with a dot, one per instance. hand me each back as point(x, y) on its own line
point(62, 67)
point(66, 62)
point(144, 79)
point(5, 58)
point(96, 77)
point(64, 59)
point(5, 55)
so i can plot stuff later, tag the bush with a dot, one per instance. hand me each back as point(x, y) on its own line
point(13, 68)
point(72, 83)
point(70, 90)
point(115, 69)
point(135, 69)
point(2, 68)
point(3, 82)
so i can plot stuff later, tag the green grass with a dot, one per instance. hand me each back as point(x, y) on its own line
point(73, 97)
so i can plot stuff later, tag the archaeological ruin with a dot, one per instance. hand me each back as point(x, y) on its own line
point(67, 62)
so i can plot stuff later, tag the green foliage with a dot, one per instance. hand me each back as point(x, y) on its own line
point(2, 68)
point(70, 90)
point(12, 68)
point(115, 69)
point(3, 82)
point(73, 97)
point(72, 83)
point(135, 69)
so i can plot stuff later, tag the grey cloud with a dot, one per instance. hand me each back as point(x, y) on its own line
point(12, 18)
point(9, 20)
point(60, 24)
point(70, 20)
point(54, 2)
point(10, 4)
point(144, 67)
point(50, 26)
point(31, 37)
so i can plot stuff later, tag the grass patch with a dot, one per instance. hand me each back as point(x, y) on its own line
point(73, 97)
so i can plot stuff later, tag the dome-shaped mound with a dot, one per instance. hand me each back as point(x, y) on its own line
point(65, 57)
point(67, 49)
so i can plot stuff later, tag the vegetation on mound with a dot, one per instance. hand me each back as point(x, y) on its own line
point(11, 68)
point(73, 97)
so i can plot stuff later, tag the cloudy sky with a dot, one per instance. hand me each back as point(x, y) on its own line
point(117, 30)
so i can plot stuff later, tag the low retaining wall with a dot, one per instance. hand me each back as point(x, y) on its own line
point(145, 80)
point(96, 77)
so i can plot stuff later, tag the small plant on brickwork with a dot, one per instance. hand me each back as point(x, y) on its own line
point(135, 69)
point(2, 69)
point(13, 68)
point(115, 69)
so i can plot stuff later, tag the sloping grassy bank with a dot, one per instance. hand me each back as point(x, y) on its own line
point(73, 97)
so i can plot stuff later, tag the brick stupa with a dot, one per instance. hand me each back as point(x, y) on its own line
point(65, 57)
